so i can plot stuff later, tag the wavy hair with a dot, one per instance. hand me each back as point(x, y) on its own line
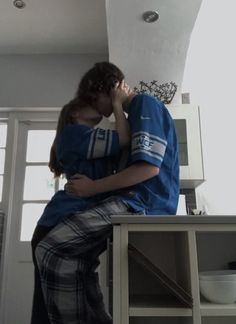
point(66, 117)
point(101, 78)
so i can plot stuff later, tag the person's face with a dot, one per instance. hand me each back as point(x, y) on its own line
point(104, 104)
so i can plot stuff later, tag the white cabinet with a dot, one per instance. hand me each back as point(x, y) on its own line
point(181, 246)
point(187, 122)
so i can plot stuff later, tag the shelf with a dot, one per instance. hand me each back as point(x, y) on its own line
point(165, 280)
point(210, 309)
point(170, 251)
point(156, 305)
point(191, 183)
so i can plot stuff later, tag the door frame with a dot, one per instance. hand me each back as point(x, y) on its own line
point(15, 116)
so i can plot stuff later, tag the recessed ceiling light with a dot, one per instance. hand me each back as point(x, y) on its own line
point(150, 16)
point(19, 4)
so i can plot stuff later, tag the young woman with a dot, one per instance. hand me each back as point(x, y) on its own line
point(80, 148)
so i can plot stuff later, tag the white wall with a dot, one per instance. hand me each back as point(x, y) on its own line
point(210, 79)
point(151, 51)
point(158, 51)
point(42, 80)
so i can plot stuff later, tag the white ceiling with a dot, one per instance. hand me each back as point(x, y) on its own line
point(53, 26)
point(151, 51)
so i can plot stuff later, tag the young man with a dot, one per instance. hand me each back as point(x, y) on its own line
point(67, 257)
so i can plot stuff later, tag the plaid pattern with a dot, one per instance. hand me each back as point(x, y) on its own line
point(67, 258)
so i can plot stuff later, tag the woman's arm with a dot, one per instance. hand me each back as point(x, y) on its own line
point(118, 95)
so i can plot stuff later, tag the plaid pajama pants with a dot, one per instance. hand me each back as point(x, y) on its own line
point(67, 258)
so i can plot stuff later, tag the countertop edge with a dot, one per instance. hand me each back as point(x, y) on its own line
point(173, 219)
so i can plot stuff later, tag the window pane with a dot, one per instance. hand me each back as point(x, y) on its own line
point(1, 182)
point(3, 135)
point(181, 130)
point(38, 145)
point(30, 215)
point(2, 160)
point(39, 183)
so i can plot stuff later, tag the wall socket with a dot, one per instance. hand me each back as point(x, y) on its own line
point(185, 98)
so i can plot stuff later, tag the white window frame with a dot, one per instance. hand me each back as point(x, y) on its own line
point(14, 117)
point(4, 120)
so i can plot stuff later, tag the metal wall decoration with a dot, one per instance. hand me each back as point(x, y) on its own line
point(164, 92)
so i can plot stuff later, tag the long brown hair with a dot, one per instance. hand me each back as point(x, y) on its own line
point(101, 78)
point(66, 117)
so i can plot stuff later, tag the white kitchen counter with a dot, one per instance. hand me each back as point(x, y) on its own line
point(183, 246)
point(176, 219)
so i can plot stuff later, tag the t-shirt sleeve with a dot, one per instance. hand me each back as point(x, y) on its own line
point(101, 143)
point(149, 130)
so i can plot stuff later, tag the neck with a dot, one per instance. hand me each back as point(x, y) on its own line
point(91, 122)
point(128, 101)
point(88, 116)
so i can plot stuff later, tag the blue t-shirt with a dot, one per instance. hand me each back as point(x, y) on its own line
point(154, 141)
point(84, 150)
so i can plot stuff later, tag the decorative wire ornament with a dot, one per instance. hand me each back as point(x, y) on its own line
point(164, 92)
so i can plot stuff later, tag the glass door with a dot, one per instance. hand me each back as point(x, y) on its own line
point(32, 185)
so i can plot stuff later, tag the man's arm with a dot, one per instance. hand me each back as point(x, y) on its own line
point(85, 187)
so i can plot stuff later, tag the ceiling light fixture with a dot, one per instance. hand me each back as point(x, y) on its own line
point(19, 4)
point(150, 16)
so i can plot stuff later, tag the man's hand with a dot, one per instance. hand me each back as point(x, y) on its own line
point(80, 185)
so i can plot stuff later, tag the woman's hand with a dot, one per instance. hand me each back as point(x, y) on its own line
point(80, 185)
point(120, 93)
